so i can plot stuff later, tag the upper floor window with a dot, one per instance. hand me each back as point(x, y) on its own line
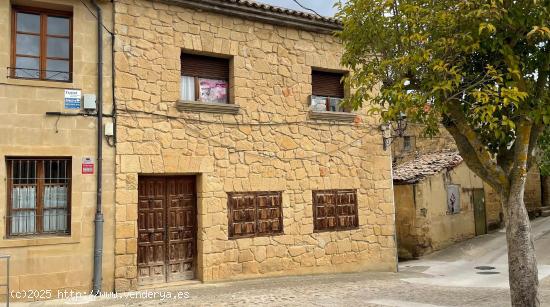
point(41, 44)
point(204, 78)
point(38, 196)
point(327, 91)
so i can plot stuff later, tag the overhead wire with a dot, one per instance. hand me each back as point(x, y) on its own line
point(308, 9)
point(91, 12)
point(234, 149)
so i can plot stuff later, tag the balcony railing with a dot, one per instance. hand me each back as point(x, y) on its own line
point(39, 74)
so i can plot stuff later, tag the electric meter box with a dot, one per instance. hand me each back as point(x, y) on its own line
point(90, 102)
point(109, 129)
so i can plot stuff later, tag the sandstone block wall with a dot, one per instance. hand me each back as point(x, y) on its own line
point(270, 145)
point(57, 262)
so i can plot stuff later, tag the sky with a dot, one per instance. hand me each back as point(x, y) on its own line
point(323, 7)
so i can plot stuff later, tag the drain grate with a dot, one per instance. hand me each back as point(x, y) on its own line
point(484, 267)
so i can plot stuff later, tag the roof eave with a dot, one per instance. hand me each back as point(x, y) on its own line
point(259, 14)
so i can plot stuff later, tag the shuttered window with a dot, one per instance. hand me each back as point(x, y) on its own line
point(204, 78)
point(327, 91)
point(254, 214)
point(335, 210)
point(38, 196)
point(327, 84)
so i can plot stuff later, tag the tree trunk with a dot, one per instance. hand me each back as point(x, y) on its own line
point(522, 263)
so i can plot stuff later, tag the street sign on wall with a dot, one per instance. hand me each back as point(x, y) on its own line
point(72, 99)
point(87, 166)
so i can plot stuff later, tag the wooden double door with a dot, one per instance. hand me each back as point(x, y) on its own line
point(167, 229)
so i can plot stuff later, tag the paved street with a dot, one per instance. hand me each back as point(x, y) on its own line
point(446, 278)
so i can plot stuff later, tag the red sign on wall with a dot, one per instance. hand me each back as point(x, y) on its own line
point(87, 166)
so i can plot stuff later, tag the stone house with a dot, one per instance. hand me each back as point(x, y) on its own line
point(234, 159)
point(439, 201)
point(426, 173)
point(48, 50)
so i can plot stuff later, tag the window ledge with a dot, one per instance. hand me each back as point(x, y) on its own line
point(195, 106)
point(334, 116)
point(38, 241)
point(40, 83)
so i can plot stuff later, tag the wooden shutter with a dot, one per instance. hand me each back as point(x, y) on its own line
point(204, 66)
point(335, 210)
point(327, 84)
point(254, 214)
point(242, 215)
point(346, 209)
point(270, 215)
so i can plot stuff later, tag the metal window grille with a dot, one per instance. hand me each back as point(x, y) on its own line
point(38, 196)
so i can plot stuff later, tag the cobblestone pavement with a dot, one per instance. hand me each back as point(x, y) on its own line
point(356, 289)
point(445, 278)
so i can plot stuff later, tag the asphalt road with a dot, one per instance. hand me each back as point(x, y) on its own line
point(479, 262)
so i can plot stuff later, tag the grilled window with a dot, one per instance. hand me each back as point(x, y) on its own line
point(327, 91)
point(204, 78)
point(38, 196)
point(335, 210)
point(255, 214)
point(41, 44)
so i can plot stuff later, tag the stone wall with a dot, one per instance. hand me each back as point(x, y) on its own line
point(57, 262)
point(270, 145)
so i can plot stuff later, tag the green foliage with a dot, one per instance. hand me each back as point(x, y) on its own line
point(423, 57)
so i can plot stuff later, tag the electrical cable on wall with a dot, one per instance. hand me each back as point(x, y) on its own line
point(234, 149)
point(91, 12)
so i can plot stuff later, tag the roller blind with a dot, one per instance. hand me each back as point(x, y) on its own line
point(204, 66)
point(327, 84)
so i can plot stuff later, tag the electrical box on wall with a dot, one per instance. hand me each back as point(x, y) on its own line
point(109, 129)
point(90, 102)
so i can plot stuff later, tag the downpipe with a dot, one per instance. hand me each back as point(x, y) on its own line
point(98, 221)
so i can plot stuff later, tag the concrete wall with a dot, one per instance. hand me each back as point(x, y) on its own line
point(270, 145)
point(57, 262)
point(423, 221)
